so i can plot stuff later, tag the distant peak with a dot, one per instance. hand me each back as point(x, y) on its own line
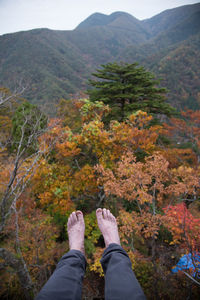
point(120, 14)
point(99, 19)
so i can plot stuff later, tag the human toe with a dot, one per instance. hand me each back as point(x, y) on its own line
point(74, 217)
point(69, 222)
point(109, 214)
point(79, 215)
point(99, 212)
point(105, 215)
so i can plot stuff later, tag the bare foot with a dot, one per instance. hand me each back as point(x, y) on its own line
point(76, 229)
point(108, 226)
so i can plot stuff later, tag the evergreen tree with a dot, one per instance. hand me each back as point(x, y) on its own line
point(127, 88)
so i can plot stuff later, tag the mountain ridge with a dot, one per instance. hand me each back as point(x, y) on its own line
point(99, 19)
point(170, 17)
point(57, 63)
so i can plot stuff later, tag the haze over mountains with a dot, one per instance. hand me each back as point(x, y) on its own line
point(57, 64)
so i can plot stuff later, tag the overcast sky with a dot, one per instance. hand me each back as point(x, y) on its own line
point(17, 15)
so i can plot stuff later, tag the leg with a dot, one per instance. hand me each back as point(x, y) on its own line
point(120, 281)
point(66, 281)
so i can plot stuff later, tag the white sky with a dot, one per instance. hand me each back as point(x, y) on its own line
point(17, 15)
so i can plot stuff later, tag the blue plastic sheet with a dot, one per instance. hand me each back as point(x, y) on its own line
point(186, 262)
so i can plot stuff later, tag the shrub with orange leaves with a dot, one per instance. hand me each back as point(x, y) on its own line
point(69, 174)
point(52, 183)
point(144, 183)
point(177, 157)
point(185, 183)
point(185, 131)
point(149, 186)
point(184, 227)
point(37, 236)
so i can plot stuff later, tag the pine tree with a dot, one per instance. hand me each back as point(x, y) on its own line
point(127, 88)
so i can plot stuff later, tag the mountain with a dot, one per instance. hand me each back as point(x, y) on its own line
point(49, 65)
point(102, 37)
point(173, 55)
point(179, 69)
point(162, 42)
point(55, 64)
point(169, 18)
point(120, 21)
point(98, 19)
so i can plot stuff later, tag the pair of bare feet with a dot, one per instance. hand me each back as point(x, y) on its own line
point(76, 229)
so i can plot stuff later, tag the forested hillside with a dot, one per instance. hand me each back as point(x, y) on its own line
point(56, 64)
point(117, 153)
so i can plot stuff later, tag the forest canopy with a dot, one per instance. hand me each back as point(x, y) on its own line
point(103, 151)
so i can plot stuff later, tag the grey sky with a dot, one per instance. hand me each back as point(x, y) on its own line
point(17, 15)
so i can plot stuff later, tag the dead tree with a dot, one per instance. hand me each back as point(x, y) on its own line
point(23, 167)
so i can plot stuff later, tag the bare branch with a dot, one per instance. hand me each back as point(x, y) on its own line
point(6, 96)
point(23, 168)
point(188, 275)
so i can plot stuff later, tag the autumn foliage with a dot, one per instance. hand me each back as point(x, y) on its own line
point(152, 188)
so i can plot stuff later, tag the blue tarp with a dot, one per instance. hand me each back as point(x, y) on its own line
point(186, 262)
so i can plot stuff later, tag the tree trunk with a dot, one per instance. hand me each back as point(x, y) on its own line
point(155, 279)
point(21, 269)
point(122, 109)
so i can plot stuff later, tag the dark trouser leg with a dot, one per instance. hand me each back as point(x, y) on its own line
point(66, 281)
point(120, 281)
